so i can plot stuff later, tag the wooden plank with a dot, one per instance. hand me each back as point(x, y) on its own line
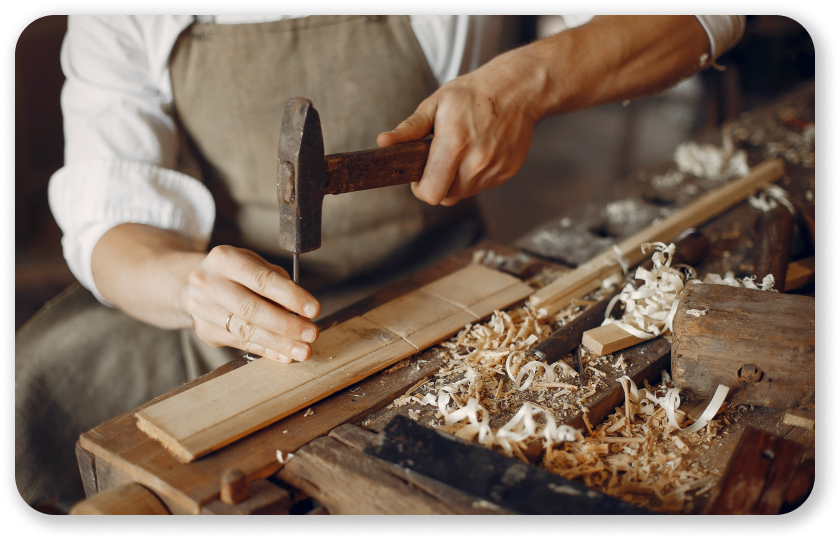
point(608, 339)
point(589, 274)
point(758, 476)
point(761, 345)
point(346, 481)
point(186, 488)
point(464, 503)
point(800, 273)
point(489, 475)
point(130, 499)
point(230, 407)
point(800, 418)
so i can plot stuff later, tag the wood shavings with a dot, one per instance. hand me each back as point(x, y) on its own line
point(696, 312)
point(491, 393)
point(770, 197)
point(709, 161)
point(309, 412)
point(284, 458)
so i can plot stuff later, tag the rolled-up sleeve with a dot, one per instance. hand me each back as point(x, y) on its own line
point(121, 140)
point(724, 32)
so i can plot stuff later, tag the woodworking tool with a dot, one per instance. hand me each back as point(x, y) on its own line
point(775, 234)
point(305, 175)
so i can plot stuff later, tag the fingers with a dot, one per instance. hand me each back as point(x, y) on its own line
point(444, 159)
point(414, 128)
point(264, 279)
point(248, 336)
point(260, 300)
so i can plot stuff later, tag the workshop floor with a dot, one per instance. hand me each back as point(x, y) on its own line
point(572, 159)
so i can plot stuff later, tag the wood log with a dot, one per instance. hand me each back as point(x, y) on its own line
point(760, 345)
point(758, 476)
point(775, 233)
point(130, 499)
point(588, 276)
point(236, 404)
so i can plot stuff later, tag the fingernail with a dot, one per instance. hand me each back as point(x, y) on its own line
point(299, 353)
point(310, 309)
point(308, 335)
point(284, 359)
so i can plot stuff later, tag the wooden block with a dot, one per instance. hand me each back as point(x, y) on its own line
point(800, 273)
point(87, 470)
point(264, 497)
point(608, 339)
point(130, 499)
point(232, 406)
point(760, 345)
point(799, 418)
point(587, 276)
point(775, 233)
point(758, 476)
point(234, 486)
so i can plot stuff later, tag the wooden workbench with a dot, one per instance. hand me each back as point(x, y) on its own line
point(116, 453)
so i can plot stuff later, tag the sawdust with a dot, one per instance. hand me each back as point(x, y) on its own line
point(486, 366)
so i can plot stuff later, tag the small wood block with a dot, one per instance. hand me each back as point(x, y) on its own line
point(608, 339)
point(264, 498)
point(799, 418)
point(760, 345)
point(800, 273)
point(87, 470)
point(234, 487)
point(758, 476)
point(130, 499)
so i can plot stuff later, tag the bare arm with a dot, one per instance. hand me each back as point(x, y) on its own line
point(152, 275)
point(483, 121)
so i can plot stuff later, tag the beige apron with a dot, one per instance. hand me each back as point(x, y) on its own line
point(363, 74)
point(79, 363)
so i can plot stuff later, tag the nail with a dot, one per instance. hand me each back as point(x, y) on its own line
point(284, 359)
point(308, 335)
point(299, 353)
point(310, 309)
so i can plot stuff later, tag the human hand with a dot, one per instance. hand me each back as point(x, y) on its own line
point(483, 123)
point(261, 300)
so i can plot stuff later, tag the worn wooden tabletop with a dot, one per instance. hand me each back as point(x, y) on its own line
point(117, 453)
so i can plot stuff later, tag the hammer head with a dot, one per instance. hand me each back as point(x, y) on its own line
point(300, 177)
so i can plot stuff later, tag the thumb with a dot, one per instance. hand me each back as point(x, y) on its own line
point(413, 128)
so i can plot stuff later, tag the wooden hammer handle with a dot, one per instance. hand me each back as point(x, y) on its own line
point(375, 168)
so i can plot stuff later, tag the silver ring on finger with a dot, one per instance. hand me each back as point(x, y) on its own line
point(227, 322)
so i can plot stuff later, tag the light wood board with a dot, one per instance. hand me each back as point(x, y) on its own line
point(589, 275)
point(229, 407)
point(608, 339)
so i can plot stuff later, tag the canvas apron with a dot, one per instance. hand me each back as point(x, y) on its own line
point(79, 363)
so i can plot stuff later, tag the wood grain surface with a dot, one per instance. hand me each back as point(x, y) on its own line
point(759, 344)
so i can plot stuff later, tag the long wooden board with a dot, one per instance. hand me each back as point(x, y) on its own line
point(589, 275)
point(229, 407)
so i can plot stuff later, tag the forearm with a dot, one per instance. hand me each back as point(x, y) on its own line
point(144, 271)
point(611, 58)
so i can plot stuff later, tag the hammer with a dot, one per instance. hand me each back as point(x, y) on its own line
point(305, 175)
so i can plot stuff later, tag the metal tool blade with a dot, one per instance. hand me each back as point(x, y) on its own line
point(296, 267)
point(578, 361)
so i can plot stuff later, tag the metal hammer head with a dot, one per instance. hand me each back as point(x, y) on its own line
point(300, 177)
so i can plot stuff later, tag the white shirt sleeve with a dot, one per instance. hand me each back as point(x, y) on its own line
point(121, 142)
point(724, 32)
